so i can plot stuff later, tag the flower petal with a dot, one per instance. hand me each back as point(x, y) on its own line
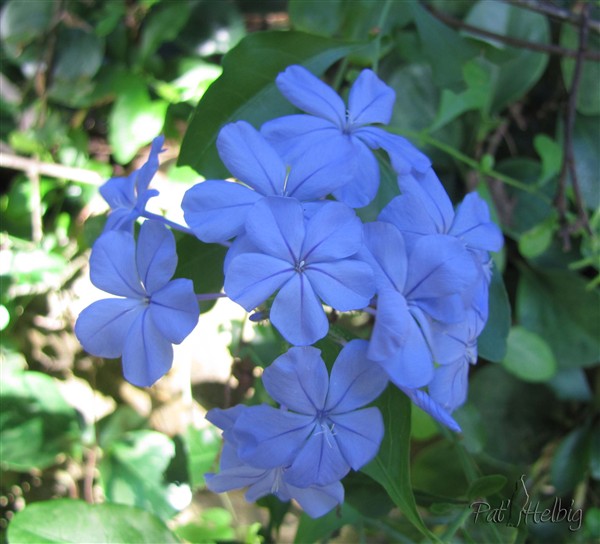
point(345, 285)
point(317, 500)
point(240, 477)
point(147, 355)
point(156, 257)
point(270, 438)
point(433, 408)
point(251, 278)
point(113, 267)
point(102, 327)
point(251, 159)
point(121, 219)
point(358, 435)
point(333, 232)
point(370, 100)
point(298, 380)
point(355, 380)
point(297, 312)
point(174, 310)
point(391, 327)
point(119, 192)
point(386, 246)
point(311, 95)
point(144, 175)
point(276, 226)
point(473, 226)
point(216, 210)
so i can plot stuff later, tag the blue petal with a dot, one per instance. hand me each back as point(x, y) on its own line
point(472, 225)
point(147, 355)
point(156, 257)
point(308, 93)
point(269, 483)
point(386, 246)
point(270, 438)
point(362, 187)
point(345, 285)
point(251, 159)
point(216, 210)
point(119, 192)
point(276, 226)
point(121, 219)
point(242, 244)
point(333, 232)
point(298, 380)
point(391, 327)
point(358, 435)
point(145, 174)
point(251, 278)
point(224, 419)
point(315, 500)
point(240, 477)
point(113, 267)
point(433, 408)
point(102, 327)
point(449, 385)
point(319, 462)
point(297, 312)
point(355, 380)
point(174, 310)
point(370, 100)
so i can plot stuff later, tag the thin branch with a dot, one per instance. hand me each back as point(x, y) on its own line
point(554, 12)
point(81, 175)
point(515, 42)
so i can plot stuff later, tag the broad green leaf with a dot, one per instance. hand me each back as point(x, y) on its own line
point(202, 447)
point(536, 240)
point(528, 356)
point(557, 306)
point(570, 461)
point(319, 529)
point(586, 135)
point(519, 68)
point(214, 525)
point(391, 466)
point(486, 486)
point(135, 120)
point(79, 55)
point(72, 521)
point(323, 18)
point(551, 154)
point(247, 90)
point(594, 455)
point(20, 24)
point(592, 522)
point(366, 495)
point(132, 468)
point(588, 93)
point(491, 344)
point(36, 423)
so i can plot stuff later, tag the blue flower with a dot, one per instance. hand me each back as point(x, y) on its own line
point(333, 130)
point(216, 210)
point(304, 261)
point(414, 289)
point(321, 431)
point(128, 196)
point(236, 474)
point(153, 312)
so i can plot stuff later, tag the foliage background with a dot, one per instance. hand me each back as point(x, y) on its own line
point(504, 99)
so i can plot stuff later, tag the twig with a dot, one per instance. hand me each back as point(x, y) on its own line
point(554, 12)
point(81, 175)
point(33, 175)
point(515, 42)
point(568, 165)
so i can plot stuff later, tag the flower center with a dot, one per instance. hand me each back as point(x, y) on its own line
point(299, 266)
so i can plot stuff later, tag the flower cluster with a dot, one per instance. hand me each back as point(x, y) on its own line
point(296, 243)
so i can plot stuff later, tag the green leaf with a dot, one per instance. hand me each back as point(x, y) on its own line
point(528, 356)
point(202, 447)
point(391, 467)
point(594, 449)
point(316, 530)
point(519, 68)
point(73, 521)
point(536, 240)
point(132, 471)
point(551, 154)
point(36, 423)
point(586, 135)
point(491, 344)
point(557, 306)
point(162, 24)
point(247, 90)
point(134, 120)
point(323, 18)
point(215, 524)
point(486, 486)
point(570, 461)
point(20, 24)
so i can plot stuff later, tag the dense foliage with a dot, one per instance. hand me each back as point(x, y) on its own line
point(500, 99)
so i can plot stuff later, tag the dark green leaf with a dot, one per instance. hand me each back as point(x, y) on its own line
point(486, 486)
point(162, 24)
point(586, 135)
point(366, 495)
point(391, 467)
point(322, 18)
point(316, 530)
point(491, 344)
point(36, 423)
point(551, 154)
point(570, 461)
point(557, 306)
point(72, 521)
point(594, 452)
point(132, 470)
point(247, 90)
point(20, 24)
point(528, 356)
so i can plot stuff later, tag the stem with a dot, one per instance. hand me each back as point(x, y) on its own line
point(382, 17)
point(552, 11)
point(165, 221)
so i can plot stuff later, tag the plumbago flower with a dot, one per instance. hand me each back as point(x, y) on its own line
point(127, 196)
point(349, 130)
point(216, 210)
point(316, 500)
point(322, 429)
point(304, 261)
point(153, 312)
